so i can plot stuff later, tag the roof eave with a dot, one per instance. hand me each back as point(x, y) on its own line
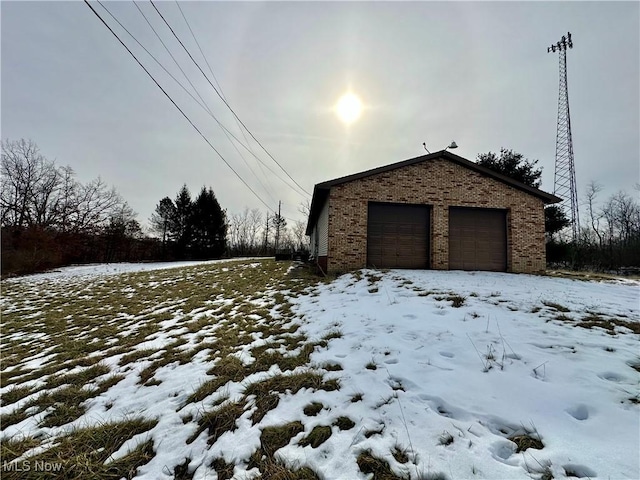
point(321, 190)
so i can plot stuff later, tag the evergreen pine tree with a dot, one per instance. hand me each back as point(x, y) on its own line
point(162, 218)
point(512, 164)
point(182, 223)
point(209, 226)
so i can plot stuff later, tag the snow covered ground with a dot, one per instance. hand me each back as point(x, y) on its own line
point(442, 366)
point(93, 270)
point(573, 386)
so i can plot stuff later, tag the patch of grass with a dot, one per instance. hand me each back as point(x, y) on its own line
point(66, 403)
point(223, 469)
point(331, 367)
point(118, 317)
point(587, 275)
point(375, 431)
point(275, 469)
point(386, 401)
point(356, 397)
point(456, 300)
point(344, 423)
point(207, 388)
point(170, 355)
point(83, 452)
point(373, 278)
point(332, 335)
point(181, 472)
point(556, 306)
point(230, 368)
point(134, 356)
point(423, 293)
point(316, 437)
point(108, 383)
point(400, 454)
point(221, 420)
point(80, 378)
point(274, 438)
point(594, 320)
point(14, 394)
point(371, 366)
point(62, 414)
point(12, 418)
point(12, 448)
point(264, 404)
point(524, 442)
point(312, 409)
point(292, 383)
point(380, 469)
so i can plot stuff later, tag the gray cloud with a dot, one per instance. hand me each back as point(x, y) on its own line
point(427, 71)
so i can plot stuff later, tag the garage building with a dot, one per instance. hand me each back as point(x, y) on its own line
point(437, 211)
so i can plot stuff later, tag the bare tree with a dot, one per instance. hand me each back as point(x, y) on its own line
point(594, 217)
point(622, 214)
point(245, 236)
point(36, 192)
point(28, 182)
point(95, 205)
point(305, 208)
point(254, 225)
point(299, 234)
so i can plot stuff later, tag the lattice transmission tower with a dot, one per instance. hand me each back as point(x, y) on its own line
point(565, 172)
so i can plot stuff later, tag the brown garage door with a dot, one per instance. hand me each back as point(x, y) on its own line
point(397, 236)
point(477, 239)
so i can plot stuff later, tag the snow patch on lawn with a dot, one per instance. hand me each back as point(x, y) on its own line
point(446, 366)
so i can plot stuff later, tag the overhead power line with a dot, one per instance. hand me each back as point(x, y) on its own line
point(244, 134)
point(204, 102)
point(223, 99)
point(199, 102)
point(175, 104)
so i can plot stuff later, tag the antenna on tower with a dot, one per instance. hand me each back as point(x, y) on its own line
point(565, 173)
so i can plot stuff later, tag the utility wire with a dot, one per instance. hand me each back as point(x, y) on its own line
point(175, 104)
point(204, 102)
point(203, 106)
point(222, 98)
point(244, 134)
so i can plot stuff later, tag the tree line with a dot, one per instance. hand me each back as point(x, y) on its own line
point(50, 219)
point(186, 231)
point(194, 229)
point(609, 233)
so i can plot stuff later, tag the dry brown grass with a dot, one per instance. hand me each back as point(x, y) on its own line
point(86, 324)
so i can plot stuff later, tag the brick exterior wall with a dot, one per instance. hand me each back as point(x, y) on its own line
point(441, 184)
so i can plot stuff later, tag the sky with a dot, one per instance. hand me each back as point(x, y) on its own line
point(474, 72)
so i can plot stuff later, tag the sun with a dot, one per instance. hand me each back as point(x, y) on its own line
point(348, 108)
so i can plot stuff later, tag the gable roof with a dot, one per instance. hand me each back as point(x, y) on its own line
point(321, 190)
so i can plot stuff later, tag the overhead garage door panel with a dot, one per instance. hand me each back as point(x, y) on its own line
point(398, 236)
point(477, 239)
